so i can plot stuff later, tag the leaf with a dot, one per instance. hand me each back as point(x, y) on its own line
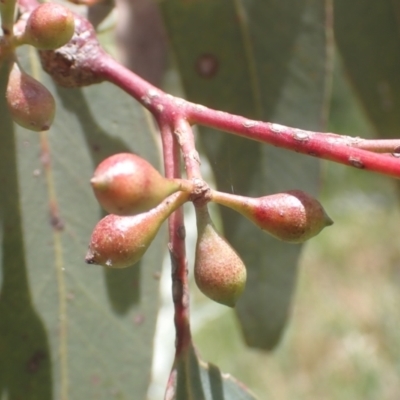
point(194, 379)
point(367, 35)
point(262, 59)
point(69, 330)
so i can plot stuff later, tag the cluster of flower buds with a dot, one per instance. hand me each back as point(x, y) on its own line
point(140, 199)
point(31, 105)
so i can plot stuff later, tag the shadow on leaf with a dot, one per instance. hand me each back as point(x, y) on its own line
point(123, 286)
point(25, 362)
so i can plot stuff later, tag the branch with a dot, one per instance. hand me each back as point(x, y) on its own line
point(355, 152)
point(180, 285)
point(184, 135)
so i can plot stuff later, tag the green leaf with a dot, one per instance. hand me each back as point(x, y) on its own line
point(197, 380)
point(268, 60)
point(367, 35)
point(69, 330)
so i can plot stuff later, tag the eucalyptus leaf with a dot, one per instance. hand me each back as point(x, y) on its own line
point(367, 36)
point(69, 330)
point(197, 380)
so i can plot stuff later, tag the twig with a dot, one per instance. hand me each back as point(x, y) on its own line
point(180, 285)
point(341, 149)
point(184, 135)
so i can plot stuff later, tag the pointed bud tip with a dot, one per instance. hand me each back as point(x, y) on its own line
point(328, 220)
point(100, 183)
point(89, 258)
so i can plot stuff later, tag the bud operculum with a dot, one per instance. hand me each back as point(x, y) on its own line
point(121, 241)
point(126, 184)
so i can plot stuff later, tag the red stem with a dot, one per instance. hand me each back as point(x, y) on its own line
point(341, 149)
point(337, 148)
point(184, 135)
point(321, 145)
point(180, 285)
